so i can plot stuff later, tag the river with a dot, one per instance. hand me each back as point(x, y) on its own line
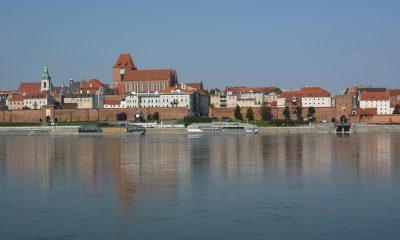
point(298, 186)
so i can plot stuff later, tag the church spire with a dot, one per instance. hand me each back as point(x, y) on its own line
point(46, 75)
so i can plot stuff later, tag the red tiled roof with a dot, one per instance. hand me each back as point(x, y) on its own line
point(92, 83)
point(394, 92)
point(305, 92)
point(36, 95)
point(374, 96)
point(366, 111)
point(16, 97)
point(148, 75)
point(198, 86)
point(175, 90)
point(29, 87)
point(112, 102)
point(124, 61)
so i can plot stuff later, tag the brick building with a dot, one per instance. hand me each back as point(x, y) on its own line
point(127, 78)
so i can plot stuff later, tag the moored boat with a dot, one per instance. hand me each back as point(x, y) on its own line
point(222, 127)
point(121, 128)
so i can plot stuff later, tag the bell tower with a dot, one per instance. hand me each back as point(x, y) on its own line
point(45, 83)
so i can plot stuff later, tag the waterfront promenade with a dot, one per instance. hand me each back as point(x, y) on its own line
point(168, 130)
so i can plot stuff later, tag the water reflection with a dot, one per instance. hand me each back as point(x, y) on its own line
point(127, 174)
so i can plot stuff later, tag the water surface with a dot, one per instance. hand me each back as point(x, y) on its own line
point(300, 186)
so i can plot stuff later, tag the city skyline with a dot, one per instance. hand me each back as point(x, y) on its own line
point(289, 45)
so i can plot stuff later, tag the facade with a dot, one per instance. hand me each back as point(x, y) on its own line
point(37, 101)
point(15, 101)
point(175, 99)
point(85, 101)
point(128, 79)
point(114, 103)
point(378, 100)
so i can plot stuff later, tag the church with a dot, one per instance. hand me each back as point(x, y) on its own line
point(128, 79)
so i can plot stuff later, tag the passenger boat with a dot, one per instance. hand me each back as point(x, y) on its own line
point(121, 128)
point(222, 127)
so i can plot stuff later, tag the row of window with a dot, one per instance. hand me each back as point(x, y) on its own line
point(144, 87)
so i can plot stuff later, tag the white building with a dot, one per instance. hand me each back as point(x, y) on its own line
point(176, 98)
point(378, 100)
point(114, 103)
point(316, 102)
point(37, 101)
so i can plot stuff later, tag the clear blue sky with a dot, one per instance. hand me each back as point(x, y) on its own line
point(288, 44)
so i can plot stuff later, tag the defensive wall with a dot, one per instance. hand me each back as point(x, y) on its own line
point(9, 116)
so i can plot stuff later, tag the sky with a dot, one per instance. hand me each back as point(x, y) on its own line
point(289, 44)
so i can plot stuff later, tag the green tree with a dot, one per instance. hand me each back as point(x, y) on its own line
point(250, 114)
point(266, 113)
point(156, 116)
point(238, 113)
point(299, 112)
point(396, 109)
point(286, 113)
point(311, 111)
point(25, 108)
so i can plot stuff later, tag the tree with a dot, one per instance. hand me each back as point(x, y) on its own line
point(299, 112)
point(25, 108)
point(213, 91)
point(149, 117)
point(266, 114)
point(311, 111)
point(286, 113)
point(396, 109)
point(122, 116)
point(250, 114)
point(156, 116)
point(310, 114)
point(238, 113)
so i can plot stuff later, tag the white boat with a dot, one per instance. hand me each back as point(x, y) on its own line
point(222, 127)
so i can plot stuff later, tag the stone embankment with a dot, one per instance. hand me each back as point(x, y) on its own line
point(168, 130)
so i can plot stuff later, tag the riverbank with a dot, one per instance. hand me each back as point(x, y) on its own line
point(319, 128)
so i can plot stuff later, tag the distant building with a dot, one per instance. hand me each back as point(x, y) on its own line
point(85, 101)
point(37, 101)
point(128, 79)
point(378, 100)
point(244, 97)
point(305, 97)
point(170, 98)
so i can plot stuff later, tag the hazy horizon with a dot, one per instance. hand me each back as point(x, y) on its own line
point(288, 44)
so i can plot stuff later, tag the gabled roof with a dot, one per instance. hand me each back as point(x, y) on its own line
point(176, 90)
point(16, 97)
point(148, 75)
point(124, 61)
point(305, 92)
point(394, 92)
point(198, 86)
point(92, 83)
point(374, 96)
point(29, 87)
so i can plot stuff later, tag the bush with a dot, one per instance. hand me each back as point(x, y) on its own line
point(283, 123)
point(195, 119)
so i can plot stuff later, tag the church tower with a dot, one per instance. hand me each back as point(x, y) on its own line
point(45, 84)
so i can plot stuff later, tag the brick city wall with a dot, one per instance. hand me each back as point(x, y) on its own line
point(22, 116)
point(230, 112)
point(325, 113)
point(376, 119)
point(89, 114)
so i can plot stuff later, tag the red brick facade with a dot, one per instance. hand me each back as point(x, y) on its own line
point(88, 114)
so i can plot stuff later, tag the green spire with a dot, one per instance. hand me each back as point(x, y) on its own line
point(46, 75)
